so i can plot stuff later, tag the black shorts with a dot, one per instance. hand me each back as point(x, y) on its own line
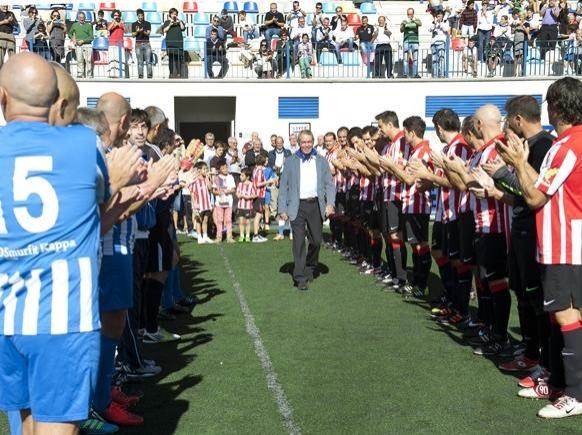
point(259, 205)
point(491, 256)
point(353, 202)
point(466, 226)
point(451, 245)
point(416, 228)
point(562, 284)
point(394, 213)
point(383, 216)
point(369, 214)
point(524, 273)
point(340, 202)
point(437, 236)
point(245, 213)
point(161, 244)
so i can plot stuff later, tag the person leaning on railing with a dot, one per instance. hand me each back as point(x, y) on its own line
point(8, 23)
point(81, 34)
point(383, 48)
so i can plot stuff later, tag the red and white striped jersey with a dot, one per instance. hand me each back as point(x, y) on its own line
point(367, 188)
point(399, 151)
point(487, 212)
point(415, 201)
point(450, 199)
point(200, 195)
point(259, 177)
point(245, 189)
point(339, 179)
point(559, 221)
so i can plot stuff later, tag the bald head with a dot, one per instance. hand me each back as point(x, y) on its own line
point(488, 119)
point(28, 87)
point(64, 109)
point(117, 111)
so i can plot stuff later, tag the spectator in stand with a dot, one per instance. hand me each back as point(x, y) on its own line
point(249, 30)
point(285, 54)
point(227, 24)
point(223, 189)
point(439, 30)
point(101, 25)
point(116, 30)
point(468, 20)
point(57, 30)
point(141, 30)
point(215, 25)
point(548, 34)
point(295, 14)
point(296, 33)
point(40, 45)
point(30, 24)
point(173, 29)
point(343, 37)
point(324, 39)
point(383, 49)
point(305, 54)
point(409, 28)
point(484, 27)
point(252, 154)
point(453, 12)
point(568, 29)
point(216, 52)
point(435, 6)
point(8, 24)
point(317, 22)
point(81, 35)
point(577, 60)
point(265, 64)
point(209, 148)
point(470, 55)
point(337, 18)
point(520, 29)
point(502, 8)
point(364, 35)
point(274, 22)
point(533, 22)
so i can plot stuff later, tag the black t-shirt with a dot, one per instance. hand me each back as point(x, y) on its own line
point(5, 28)
point(270, 15)
point(174, 35)
point(523, 216)
point(145, 26)
point(365, 33)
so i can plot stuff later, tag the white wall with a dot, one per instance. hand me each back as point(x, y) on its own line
point(340, 103)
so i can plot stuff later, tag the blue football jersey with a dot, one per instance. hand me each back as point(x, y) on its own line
point(53, 179)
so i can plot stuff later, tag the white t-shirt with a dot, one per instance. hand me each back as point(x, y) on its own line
point(439, 31)
point(208, 154)
point(342, 36)
point(224, 182)
point(381, 37)
point(297, 32)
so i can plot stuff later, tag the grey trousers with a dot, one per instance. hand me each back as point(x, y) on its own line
point(308, 222)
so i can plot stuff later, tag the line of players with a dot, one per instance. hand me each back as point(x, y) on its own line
point(506, 190)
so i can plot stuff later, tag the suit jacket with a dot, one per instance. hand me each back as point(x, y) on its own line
point(250, 157)
point(273, 157)
point(289, 186)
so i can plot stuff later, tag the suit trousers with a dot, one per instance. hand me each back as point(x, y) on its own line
point(308, 222)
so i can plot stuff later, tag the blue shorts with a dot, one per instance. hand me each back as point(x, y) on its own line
point(116, 283)
point(52, 375)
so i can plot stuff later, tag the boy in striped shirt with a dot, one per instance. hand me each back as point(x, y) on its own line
point(246, 194)
point(260, 184)
point(201, 202)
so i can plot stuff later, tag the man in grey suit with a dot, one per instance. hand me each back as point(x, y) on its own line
point(306, 197)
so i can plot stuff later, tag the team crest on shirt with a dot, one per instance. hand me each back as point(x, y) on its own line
point(548, 176)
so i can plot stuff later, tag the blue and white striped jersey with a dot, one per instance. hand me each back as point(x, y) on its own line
point(53, 179)
point(120, 239)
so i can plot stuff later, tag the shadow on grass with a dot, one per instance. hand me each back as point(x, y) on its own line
point(161, 406)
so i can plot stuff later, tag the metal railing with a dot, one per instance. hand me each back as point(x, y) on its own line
point(503, 58)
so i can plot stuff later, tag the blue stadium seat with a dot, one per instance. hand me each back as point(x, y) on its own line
point(328, 58)
point(202, 18)
point(200, 32)
point(66, 6)
point(328, 8)
point(163, 44)
point(129, 17)
point(86, 6)
point(149, 7)
point(44, 6)
point(367, 8)
point(89, 16)
point(251, 7)
point(192, 44)
point(154, 17)
point(350, 58)
point(231, 7)
point(101, 43)
point(252, 18)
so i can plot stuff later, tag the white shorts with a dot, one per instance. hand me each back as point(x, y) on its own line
point(467, 31)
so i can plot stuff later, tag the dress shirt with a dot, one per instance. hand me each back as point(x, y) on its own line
point(308, 179)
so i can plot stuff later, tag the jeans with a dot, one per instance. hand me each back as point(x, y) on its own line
point(410, 51)
point(482, 41)
point(253, 34)
point(143, 52)
point(438, 59)
point(383, 52)
point(84, 61)
point(331, 46)
point(270, 32)
point(366, 48)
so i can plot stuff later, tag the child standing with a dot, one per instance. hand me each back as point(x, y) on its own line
point(201, 202)
point(223, 189)
point(260, 184)
point(305, 53)
point(246, 194)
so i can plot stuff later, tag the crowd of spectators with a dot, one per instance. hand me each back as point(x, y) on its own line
point(483, 34)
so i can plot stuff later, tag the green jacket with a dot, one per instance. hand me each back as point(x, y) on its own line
point(82, 32)
point(410, 30)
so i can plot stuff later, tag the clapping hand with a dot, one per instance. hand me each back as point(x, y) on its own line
point(493, 166)
point(485, 182)
point(437, 159)
point(455, 164)
point(515, 152)
point(123, 165)
point(417, 168)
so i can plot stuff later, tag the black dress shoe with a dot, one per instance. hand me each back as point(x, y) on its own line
point(302, 286)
